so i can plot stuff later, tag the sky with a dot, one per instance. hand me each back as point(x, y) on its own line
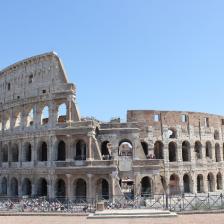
point(125, 54)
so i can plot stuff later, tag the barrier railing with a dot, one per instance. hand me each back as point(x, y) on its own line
point(177, 203)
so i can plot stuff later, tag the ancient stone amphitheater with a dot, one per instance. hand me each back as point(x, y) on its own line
point(47, 149)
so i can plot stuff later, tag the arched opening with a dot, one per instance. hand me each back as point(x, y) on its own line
point(174, 184)
point(186, 181)
point(61, 151)
point(17, 120)
point(146, 187)
point(42, 153)
point(208, 150)
point(217, 153)
point(172, 133)
point(186, 151)
point(105, 150)
point(216, 135)
point(62, 113)
point(172, 151)
point(125, 148)
point(219, 181)
point(27, 153)
point(5, 154)
point(45, 115)
point(15, 153)
point(200, 184)
point(80, 150)
point(80, 189)
point(211, 183)
point(4, 186)
point(7, 122)
point(198, 150)
point(103, 189)
point(26, 187)
point(14, 187)
point(145, 148)
point(30, 118)
point(42, 187)
point(60, 188)
point(158, 150)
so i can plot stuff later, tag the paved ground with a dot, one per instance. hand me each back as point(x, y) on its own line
point(181, 219)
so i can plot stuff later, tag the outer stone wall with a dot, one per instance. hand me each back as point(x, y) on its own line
point(47, 149)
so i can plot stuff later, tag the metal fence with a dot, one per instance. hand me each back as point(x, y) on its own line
point(177, 203)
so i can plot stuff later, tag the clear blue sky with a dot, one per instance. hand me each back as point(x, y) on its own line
point(125, 54)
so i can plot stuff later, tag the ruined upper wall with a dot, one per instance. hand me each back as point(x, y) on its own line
point(32, 77)
point(173, 118)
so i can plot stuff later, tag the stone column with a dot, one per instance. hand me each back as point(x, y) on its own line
point(89, 151)
point(69, 156)
point(69, 186)
point(194, 184)
point(205, 181)
point(90, 194)
point(181, 183)
point(20, 193)
point(50, 186)
point(53, 114)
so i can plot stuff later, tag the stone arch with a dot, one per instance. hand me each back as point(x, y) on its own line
point(172, 133)
point(60, 188)
point(217, 153)
point(42, 187)
point(62, 113)
point(172, 147)
point(105, 150)
point(7, 121)
point(15, 152)
point(4, 186)
point(187, 183)
point(208, 149)
point(219, 181)
point(17, 120)
point(45, 115)
point(216, 135)
point(42, 151)
point(26, 187)
point(61, 151)
point(125, 147)
point(211, 182)
point(102, 188)
point(200, 183)
point(80, 189)
point(5, 153)
point(30, 118)
point(145, 148)
point(80, 150)
point(174, 184)
point(14, 187)
point(186, 151)
point(27, 152)
point(146, 187)
point(158, 150)
point(198, 150)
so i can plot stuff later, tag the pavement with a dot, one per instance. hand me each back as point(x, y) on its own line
point(180, 219)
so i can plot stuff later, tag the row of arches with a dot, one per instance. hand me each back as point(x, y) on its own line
point(158, 151)
point(214, 182)
point(29, 117)
point(79, 188)
point(12, 153)
point(186, 151)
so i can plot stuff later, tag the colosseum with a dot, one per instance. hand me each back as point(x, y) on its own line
point(48, 149)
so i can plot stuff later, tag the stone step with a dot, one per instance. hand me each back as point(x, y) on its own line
point(135, 213)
